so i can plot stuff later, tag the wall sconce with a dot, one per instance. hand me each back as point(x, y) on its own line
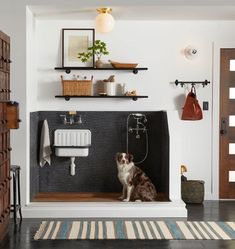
point(104, 22)
point(190, 52)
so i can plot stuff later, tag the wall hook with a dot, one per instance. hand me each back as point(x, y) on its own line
point(193, 83)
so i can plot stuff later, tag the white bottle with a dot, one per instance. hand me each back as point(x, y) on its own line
point(111, 88)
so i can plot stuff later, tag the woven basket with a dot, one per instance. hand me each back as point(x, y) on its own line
point(76, 87)
point(192, 191)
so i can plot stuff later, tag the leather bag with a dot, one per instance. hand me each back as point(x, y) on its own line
point(192, 109)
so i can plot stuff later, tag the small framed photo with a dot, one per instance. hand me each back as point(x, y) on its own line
point(76, 41)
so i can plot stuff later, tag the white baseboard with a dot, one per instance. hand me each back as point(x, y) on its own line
point(175, 208)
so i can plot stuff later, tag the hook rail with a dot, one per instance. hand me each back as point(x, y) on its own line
point(193, 83)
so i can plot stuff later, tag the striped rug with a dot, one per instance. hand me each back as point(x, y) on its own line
point(129, 229)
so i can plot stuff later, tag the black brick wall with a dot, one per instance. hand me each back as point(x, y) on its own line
point(98, 172)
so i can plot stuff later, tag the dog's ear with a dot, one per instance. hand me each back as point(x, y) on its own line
point(130, 156)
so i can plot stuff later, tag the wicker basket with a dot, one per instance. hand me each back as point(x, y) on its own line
point(76, 87)
point(192, 191)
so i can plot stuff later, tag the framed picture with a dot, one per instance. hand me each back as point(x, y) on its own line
point(76, 41)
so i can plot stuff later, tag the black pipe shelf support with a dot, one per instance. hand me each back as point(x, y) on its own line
point(193, 83)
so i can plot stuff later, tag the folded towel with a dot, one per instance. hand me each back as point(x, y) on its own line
point(45, 148)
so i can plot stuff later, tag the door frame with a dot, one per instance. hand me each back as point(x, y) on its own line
point(215, 114)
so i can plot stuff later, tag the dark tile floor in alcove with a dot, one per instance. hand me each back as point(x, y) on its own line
point(22, 237)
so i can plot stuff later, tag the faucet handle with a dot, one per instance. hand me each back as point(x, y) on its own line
point(64, 118)
point(71, 119)
point(80, 119)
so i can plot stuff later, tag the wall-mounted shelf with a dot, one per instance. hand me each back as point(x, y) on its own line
point(69, 69)
point(68, 97)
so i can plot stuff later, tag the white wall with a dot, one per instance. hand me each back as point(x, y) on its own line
point(157, 45)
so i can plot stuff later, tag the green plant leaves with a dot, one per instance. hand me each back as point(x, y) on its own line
point(99, 48)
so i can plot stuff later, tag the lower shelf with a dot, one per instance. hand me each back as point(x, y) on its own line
point(68, 97)
point(83, 197)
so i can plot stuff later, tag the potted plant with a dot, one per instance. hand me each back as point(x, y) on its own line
point(98, 49)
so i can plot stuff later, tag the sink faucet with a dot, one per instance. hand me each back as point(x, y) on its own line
point(71, 119)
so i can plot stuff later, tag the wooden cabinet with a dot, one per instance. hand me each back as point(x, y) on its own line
point(4, 134)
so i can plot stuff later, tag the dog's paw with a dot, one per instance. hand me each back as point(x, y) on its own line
point(125, 200)
point(138, 200)
point(121, 197)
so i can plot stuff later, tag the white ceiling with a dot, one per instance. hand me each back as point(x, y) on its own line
point(144, 10)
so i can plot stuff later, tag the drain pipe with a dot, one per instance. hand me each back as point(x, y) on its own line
point(72, 166)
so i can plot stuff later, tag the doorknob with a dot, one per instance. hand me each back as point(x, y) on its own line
point(223, 127)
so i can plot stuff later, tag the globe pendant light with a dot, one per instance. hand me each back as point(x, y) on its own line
point(104, 22)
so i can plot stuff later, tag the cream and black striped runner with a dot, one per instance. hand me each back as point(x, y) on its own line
point(139, 229)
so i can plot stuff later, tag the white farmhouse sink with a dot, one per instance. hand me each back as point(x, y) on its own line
point(71, 151)
point(72, 143)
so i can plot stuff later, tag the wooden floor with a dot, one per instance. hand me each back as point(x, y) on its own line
point(83, 197)
point(21, 237)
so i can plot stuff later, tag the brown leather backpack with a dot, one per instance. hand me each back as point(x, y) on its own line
point(192, 109)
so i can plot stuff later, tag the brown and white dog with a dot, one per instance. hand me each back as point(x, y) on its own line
point(136, 184)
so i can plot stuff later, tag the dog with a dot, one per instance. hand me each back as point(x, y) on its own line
point(136, 184)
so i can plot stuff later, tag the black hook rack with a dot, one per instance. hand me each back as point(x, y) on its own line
point(193, 83)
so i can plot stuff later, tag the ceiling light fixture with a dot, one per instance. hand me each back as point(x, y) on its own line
point(104, 22)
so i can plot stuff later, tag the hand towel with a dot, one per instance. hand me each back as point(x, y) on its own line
point(45, 148)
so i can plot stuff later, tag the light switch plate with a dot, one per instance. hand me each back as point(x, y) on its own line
point(205, 105)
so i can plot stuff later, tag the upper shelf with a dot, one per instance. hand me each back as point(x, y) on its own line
point(134, 97)
point(134, 70)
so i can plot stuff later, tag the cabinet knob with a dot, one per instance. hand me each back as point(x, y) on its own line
point(3, 121)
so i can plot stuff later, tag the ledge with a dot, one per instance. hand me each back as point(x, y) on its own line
point(69, 69)
point(68, 97)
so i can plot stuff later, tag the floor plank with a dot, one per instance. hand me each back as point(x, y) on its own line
point(83, 197)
